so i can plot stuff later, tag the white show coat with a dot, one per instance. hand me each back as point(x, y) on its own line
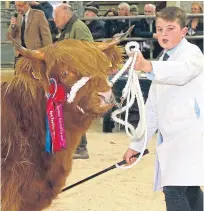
point(175, 106)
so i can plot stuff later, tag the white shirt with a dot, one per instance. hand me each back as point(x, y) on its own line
point(26, 16)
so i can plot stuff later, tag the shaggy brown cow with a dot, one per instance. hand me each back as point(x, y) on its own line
point(31, 177)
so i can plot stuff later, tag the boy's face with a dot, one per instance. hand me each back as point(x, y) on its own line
point(169, 33)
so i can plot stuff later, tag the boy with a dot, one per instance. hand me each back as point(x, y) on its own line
point(175, 107)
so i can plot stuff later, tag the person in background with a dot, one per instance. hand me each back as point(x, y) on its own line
point(123, 9)
point(142, 29)
point(195, 25)
point(175, 107)
point(30, 28)
point(47, 8)
point(71, 27)
point(123, 24)
point(111, 13)
point(134, 11)
point(111, 26)
point(97, 27)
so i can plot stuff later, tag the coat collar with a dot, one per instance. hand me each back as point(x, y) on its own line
point(68, 27)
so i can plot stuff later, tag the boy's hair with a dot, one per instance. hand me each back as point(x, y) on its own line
point(173, 13)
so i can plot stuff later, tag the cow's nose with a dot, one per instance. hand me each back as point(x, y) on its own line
point(106, 96)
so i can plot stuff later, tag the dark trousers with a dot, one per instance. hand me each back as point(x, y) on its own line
point(108, 123)
point(183, 198)
point(83, 142)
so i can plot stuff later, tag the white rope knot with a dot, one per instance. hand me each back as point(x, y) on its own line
point(131, 48)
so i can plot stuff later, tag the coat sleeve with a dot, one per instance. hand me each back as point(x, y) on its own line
point(179, 72)
point(44, 29)
point(15, 31)
point(151, 121)
point(82, 33)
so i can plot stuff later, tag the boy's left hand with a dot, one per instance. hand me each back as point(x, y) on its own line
point(142, 64)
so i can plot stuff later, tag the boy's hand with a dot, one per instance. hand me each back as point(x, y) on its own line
point(142, 64)
point(128, 156)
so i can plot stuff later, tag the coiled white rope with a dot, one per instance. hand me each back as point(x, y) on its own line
point(131, 92)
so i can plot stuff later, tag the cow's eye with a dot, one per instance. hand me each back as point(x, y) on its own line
point(65, 73)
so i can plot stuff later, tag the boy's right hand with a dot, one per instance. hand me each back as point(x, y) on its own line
point(128, 156)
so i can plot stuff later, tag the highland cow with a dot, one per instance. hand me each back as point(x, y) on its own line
point(32, 177)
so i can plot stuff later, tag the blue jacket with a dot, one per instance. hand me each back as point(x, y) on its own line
point(142, 29)
point(97, 28)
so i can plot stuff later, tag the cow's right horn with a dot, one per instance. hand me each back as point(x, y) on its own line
point(33, 54)
point(107, 45)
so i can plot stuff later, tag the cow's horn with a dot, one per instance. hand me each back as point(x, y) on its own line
point(106, 45)
point(33, 54)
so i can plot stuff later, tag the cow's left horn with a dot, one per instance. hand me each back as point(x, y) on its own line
point(33, 54)
point(106, 45)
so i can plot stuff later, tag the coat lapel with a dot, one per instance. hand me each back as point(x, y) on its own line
point(19, 20)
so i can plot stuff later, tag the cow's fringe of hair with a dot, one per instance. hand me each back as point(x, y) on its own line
point(73, 54)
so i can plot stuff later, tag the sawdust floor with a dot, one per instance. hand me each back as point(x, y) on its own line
point(115, 190)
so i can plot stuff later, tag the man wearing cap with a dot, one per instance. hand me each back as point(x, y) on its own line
point(97, 27)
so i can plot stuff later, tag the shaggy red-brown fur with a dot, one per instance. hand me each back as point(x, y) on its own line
point(32, 178)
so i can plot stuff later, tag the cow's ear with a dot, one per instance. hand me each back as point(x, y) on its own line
point(33, 70)
point(39, 73)
point(116, 57)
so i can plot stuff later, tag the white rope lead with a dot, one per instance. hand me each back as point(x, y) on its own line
point(130, 93)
